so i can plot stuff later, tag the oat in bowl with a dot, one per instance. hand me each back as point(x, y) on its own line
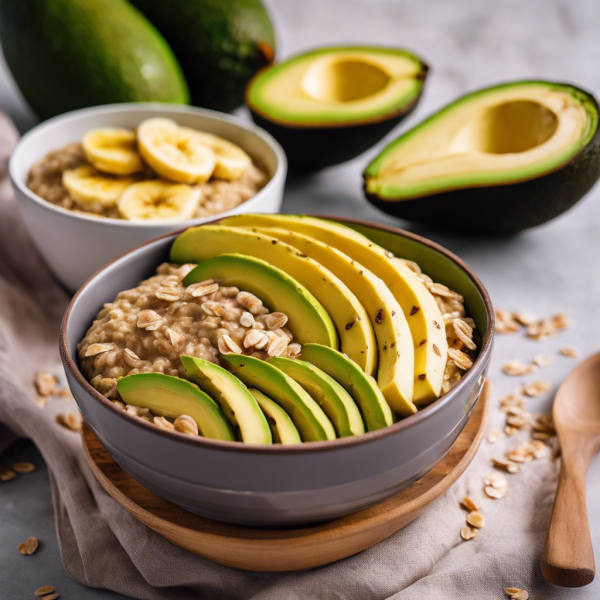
point(258, 331)
point(160, 172)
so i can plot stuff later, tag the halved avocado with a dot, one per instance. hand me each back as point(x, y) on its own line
point(232, 396)
point(329, 105)
point(356, 335)
point(283, 429)
point(308, 320)
point(307, 415)
point(168, 396)
point(420, 308)
point(374, 409)
point(395, 375)
point(327, 392)
point(499, 160)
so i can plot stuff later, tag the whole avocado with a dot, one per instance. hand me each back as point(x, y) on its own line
point(220, 44)
point(68, 54)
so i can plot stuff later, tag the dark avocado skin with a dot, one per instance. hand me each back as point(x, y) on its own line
point(504, 209)
point(314, 148)
point(69, 54)
point(220, 44)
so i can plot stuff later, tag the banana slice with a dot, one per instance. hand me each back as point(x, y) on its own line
point(90, 188)
point(113, 150)
point(232, 161)
point(174, 152)
point(159, 201)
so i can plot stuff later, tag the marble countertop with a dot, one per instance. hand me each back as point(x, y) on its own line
point(555, 267)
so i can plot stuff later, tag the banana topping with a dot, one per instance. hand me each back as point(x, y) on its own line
point(232, 161)
point(158, 200)
point(113, 150)
point(175, 153)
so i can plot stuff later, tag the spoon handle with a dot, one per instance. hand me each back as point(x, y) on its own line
point(568, 556)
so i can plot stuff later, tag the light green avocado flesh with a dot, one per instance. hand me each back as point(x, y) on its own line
point(498, 135)
point(364, 390)
point(312, 423)
point(337, 85)
point(232, 396)
point(328, 393)
point(172, 397)
point(283, 429)
point(308, 320)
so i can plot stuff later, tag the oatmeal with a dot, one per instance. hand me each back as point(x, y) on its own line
point(147, 329)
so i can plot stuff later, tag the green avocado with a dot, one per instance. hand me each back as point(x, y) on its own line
point(331, 104)
point(327, 392)
point(220, 44)
point(283, 429)
point(375, 411)
point(232, 396)
point(499, 160)
point(307, 415)
point(68, 54)
point(172, 397)
point(308, 320)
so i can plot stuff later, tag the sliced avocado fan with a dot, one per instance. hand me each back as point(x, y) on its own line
point(282, 427)
point(501, 159)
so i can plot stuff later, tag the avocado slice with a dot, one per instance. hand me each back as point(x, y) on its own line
point(357, 339)
point(232, 396)
point(327, 392)
point(283, 429)
point(168, 396)
point(308, 320)
point(364, 390)
point(395, 375)
point(307, 415)
point(68, 54)
point(331, 104)
point(220, 44)
point(426, 324)
point(499, 160)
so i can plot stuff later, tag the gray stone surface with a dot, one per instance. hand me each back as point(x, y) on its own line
point(554, 267)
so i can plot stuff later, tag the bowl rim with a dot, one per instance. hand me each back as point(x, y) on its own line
point(306, 447)
point(279, 173)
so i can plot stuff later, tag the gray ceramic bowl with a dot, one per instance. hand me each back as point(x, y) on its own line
point(277, 486)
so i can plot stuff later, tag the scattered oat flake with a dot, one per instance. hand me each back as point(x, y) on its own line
point(28, 547)
point(510, 430)
point(475, 519)
point(468, 533)
point(24, 467)
point(51, 596)
point(542, 360)
point(507, 465)
point(495, 435)
point(469, 504)
point(516, 367)
point(45, 589)
point(524, 318)
point(63, 393)
point(516, 593)
point(69, 421)
point(570, 351)
point(496, 480)
point(536, 388)
point(6, 474)
point(45, 383)
point(493, 492)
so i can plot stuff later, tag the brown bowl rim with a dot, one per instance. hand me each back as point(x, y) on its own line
point(71, 366)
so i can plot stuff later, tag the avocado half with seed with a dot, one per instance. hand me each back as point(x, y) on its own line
point(331, 104)
point(499, 160)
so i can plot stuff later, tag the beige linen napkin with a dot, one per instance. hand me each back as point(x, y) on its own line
point(103, 546)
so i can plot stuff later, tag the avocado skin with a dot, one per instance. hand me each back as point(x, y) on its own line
point(504, 209)
point(314, 148)
point(69, 54)
point(220, 44)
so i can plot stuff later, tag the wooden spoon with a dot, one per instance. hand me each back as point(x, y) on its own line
point(568, 557)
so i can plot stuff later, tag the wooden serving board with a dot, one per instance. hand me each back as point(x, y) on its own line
point(287, 549)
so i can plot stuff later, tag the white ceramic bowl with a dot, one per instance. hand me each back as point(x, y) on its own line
point(74, 245)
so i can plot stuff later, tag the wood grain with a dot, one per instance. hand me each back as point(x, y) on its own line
point(289, 549)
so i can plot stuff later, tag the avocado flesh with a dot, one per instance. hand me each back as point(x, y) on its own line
point(307, 319)
point(172, 397)
point(282, 428)
point(364, 390)
point(232, 396)
point(395, 375)
point(409, 291)
point(504, 137)
point(306, 414)
point(220, 44)
point(356, 335)
point(69, 54)
point(327, 392)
